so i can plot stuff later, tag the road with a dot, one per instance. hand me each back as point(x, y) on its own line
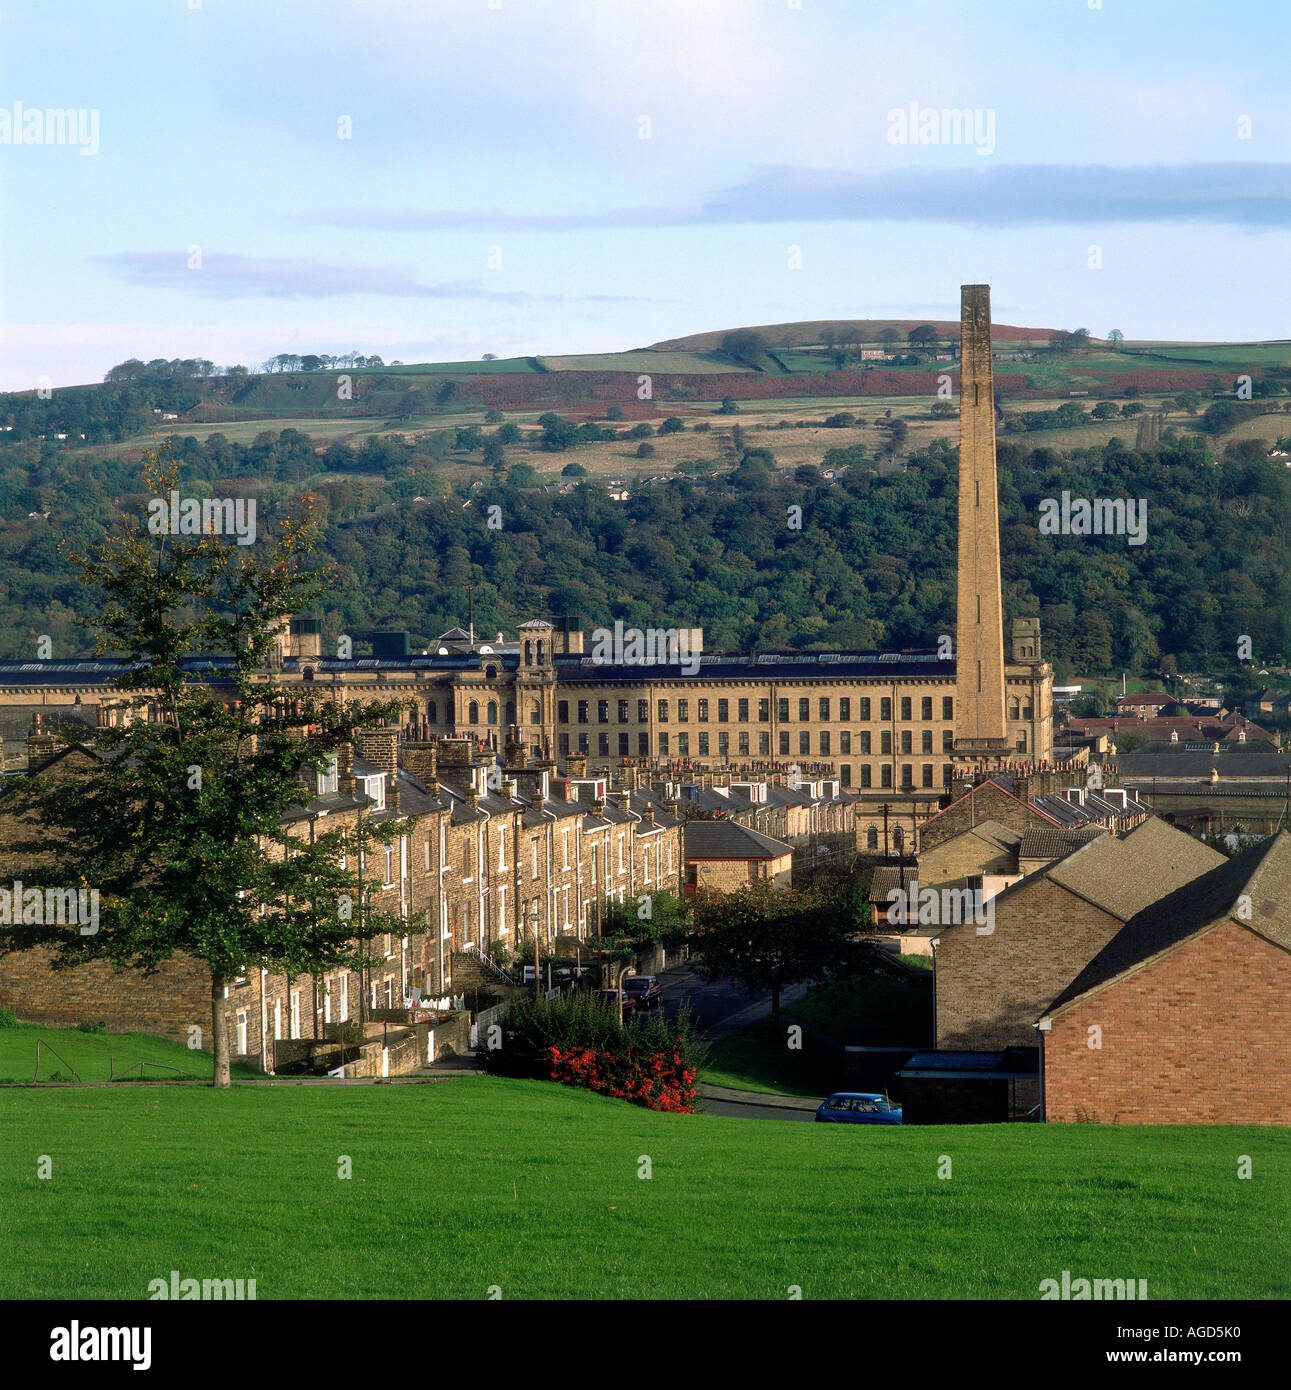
point(719, 1009)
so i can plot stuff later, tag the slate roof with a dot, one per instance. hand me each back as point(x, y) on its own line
point(1123, 874)
point(1260, 874)
point(1043, 842)
point(1237, 760)
point(726, 839)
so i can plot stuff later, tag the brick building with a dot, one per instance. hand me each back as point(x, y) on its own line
point(1180, 1018)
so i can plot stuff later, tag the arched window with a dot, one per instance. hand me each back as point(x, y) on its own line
point(1013, 709)
point(535, 715)
point(528, 652)
point(432, 711)
point(491, 672)
point(309, 673)
point(542, 651)
point(493, 711)
point(472, 713)
point(872, 838)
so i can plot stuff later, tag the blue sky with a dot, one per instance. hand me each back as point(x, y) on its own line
point(495, 193)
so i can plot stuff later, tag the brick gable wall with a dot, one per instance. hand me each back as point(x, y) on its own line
point(1196, 1037)
point(992, 988)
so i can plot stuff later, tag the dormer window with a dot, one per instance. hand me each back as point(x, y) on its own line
point(375, 787)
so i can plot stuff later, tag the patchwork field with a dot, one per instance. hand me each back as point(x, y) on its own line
point(476, 1183)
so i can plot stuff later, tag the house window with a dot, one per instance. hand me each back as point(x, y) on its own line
point(663, 745)
point(623, 711)
point(241, 1032)
point(907, 775)
point(872, 838)
point(663, 712)
point(845, 741)
point(473, 713)
point(865, 707)
point(723, 711)
point(703, 711)
point(865, 741)
point(885, 742)
point(845, 774)
point(683, 745)
point(703, 745)
point(562, 744)
point(603, 745)
point(582, 711)
point(784, 742)
point(643, 745)
point(925, 741)
point(277, 1019)
point(885, 708)
point(804, 741)
point(742, 711)
point(885, 775)
point(389, 866)
point(906, 741)
point(947, 740)
point(844, 707)
point(925, 707)
point(723, 743)
point(602, 711)
point(824, 707)
point(294, 1018)
point(905, 707)
point(865, 775)
point(623, 745)
point(824, 742)
point(927, 774)
point(782, 709)
point(562, 712)
point(764, 711)
point(804, 709)
point(947, 707)
point(643, 711)
point(683, 710)
point(493, 711)
point(744, 742)
point(345, 996)
point(764, 744)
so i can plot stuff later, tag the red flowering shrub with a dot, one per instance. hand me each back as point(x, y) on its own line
point(657, 1080)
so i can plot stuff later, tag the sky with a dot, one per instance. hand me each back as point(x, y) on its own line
point(437, 179)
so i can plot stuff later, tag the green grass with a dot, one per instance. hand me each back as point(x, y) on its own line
point(96, 1056)
point(758, 1058)
point(871, 1011)
point(462, 1185)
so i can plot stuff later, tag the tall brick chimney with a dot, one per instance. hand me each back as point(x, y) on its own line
point(380, 747)
point(980, 730)
point(576, 765)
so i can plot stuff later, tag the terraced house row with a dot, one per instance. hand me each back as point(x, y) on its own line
point(472, 851)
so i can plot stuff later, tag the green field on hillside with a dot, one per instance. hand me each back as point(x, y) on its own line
point(461, 1186)
point(98, 1056)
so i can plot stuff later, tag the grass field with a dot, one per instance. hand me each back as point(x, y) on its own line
point(97, 1056)
point(461, 1185)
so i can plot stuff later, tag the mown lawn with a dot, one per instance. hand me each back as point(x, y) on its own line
point(462, 1185)
point(758, 1058)
point(98, 1056)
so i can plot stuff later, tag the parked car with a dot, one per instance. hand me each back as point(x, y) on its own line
point(610, 998)
point(644, 991)
point(858, 1108)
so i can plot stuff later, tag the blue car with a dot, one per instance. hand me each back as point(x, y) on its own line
point(858, 1108)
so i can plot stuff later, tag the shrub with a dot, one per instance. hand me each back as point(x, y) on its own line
point(644, 451)
point(8, 1019)
point(576, 1039)
point(98, 1027)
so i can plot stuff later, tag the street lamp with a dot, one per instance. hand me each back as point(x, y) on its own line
point(623, 974)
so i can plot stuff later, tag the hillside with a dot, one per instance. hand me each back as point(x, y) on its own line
point(481, 1184)
point(811, 332)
